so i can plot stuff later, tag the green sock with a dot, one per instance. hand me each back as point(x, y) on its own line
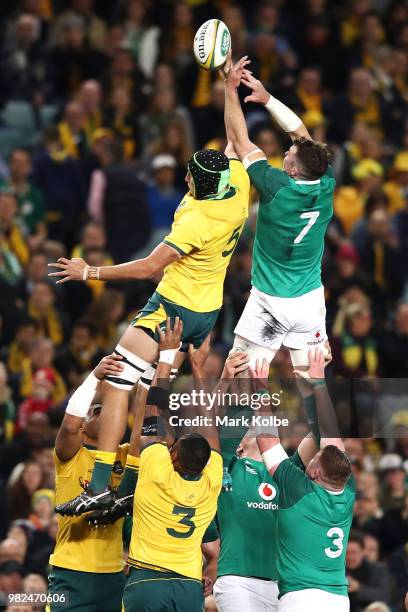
point(129, 478)
point(311, 415)
point(101, 475)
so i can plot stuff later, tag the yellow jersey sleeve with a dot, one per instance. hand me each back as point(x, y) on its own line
point(213, 470)
point(154, 461)
point(65, 468)
point(239, 177)
point(188, 231)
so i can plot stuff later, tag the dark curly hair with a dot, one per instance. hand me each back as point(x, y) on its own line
point(314, 157)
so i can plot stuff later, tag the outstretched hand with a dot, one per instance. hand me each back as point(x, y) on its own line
point(199, 356)
point(233, 73)
point(235, 363)
point(260, 373)
point(70, 269)
point(316, 368)
point(259, 94)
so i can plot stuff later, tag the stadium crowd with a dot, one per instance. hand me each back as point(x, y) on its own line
point(102, 105)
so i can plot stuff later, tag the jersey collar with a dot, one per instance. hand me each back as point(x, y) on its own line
point(302, 182)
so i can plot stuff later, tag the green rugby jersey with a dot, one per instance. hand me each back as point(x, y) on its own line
point(312, 532)
point(246, 515)
point(292, 221)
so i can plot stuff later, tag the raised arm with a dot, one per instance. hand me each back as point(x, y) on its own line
point(235, 125)
point(284, 116)
point(326, 415)
point(69, 438)
point(147, 268)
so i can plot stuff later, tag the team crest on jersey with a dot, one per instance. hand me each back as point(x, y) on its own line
point(250, 469)
point(267, 491)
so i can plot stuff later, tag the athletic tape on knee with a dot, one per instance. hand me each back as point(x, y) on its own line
point(300, 357)
point(133, 368)
point(254, 351)
point(146, 379)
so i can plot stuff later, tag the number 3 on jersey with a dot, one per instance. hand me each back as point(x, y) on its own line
point(312, 216)
point(186, 520)
point(337, 535)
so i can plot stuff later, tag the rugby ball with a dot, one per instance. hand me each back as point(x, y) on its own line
point(211, 44)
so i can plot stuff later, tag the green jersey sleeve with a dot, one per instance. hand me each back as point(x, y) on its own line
point(329, 172)
point(267, 180)
point(293, 483)
point(296, 460)
point(211, 533)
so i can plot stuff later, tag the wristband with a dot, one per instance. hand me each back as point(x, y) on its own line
point(286, 118)
point(93, 273)
point(168, 356)
point(159, 397)
point(81, 399)
point(85, 273)
point(153, 426)
point(317, 382)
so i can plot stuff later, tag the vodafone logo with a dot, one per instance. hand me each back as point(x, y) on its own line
point(267, 491)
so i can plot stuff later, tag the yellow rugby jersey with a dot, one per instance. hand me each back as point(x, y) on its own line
point(171, 514)
point(78, 546)
point(207, 232)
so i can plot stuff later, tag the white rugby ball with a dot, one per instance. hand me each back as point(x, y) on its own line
point(211, 44)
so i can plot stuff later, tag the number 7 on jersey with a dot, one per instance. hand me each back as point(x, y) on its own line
point(312, 216)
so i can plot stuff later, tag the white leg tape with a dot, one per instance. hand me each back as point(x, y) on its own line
point(133, 368)
point(146, 379)
point(254, 351)
point(300, 357)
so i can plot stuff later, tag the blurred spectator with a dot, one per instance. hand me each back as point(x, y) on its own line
point(108, 311)
point(42, 505)
point(376, 200)
point(37, 431)
point(354, 349)
point(162, 196)
point(397, 188)
point(380, 257)
point(349, 201)
point(393, 478)
point(42, 360)
point(209, 120)
point(371, 548)
point(141, 38)
point(361, 103)
point(81, 355)
point(367, 581)
point(59, 177)
point(394, 345)
point(11, 580)
point(7, 408)
point(30, 199)
point(393, 531)
point(120, 118)
point(174, 142)
point(23, 63)
point(71, 131)
point(119, 196)
point(95, 27)
point(28, 481)
point(90, 98)
point(10, 230)
point(124, 76)
point(41, 308)
point(266, 139)
point(20, 347)
point(398, 568)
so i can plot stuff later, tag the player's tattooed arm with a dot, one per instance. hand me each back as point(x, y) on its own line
point(149, 267)
point(284, 116)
